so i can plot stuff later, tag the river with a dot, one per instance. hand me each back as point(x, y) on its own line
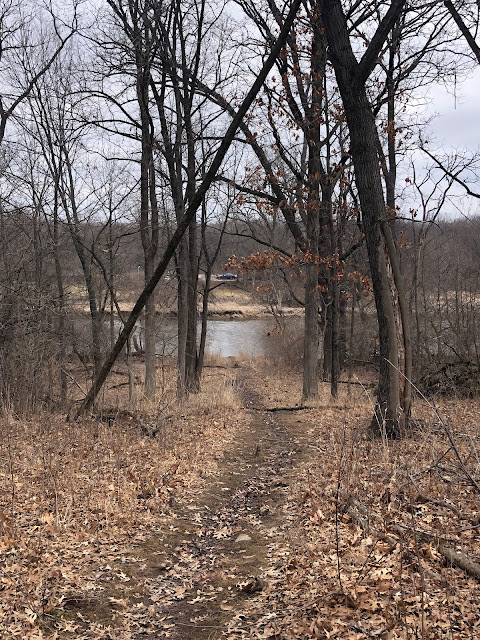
point(224, 337)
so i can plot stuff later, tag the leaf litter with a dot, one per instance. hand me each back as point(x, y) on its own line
point(108, 533)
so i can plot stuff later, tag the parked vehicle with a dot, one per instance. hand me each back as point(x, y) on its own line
point(226, 276)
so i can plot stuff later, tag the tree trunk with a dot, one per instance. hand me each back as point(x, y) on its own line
point(335, 369)
point(399, 298)
point(204, 321)
point(190, 212)
point(327, 342)
point(146, 176)
point(351, 77)
point(61, 299)
point(182, 317)
point(310, 340)
point(350, 339)
point(316, 214)
point(191, 379)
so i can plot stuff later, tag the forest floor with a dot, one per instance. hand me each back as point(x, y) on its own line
point(240, 515)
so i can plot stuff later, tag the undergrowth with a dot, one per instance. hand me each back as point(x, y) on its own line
point(362, 528)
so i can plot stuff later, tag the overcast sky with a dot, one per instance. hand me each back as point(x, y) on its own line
point(458, 120)
point(454, 127)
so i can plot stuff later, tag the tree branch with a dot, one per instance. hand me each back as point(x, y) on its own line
point(370, 57)
point(464, 29)
point(189, 213)
point(453, 176)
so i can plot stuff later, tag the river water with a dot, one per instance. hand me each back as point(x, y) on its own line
point(224, 337)
point(232, 337)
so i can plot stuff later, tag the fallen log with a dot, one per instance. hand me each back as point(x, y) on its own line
point(363, 516)
point(303, 408)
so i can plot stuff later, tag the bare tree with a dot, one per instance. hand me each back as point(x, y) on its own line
point(25, 28)
point(390, 413)
point(137, 22)
point(191, 210)
point(298, 169)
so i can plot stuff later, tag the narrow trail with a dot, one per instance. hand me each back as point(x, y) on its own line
point(254, 544)
point(215, 555)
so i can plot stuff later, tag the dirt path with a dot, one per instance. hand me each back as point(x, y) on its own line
point(231, 529)
point(216, 554)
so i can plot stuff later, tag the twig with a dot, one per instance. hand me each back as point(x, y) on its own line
point(446, 429)
point(73, 380)
point(455, 558)
point(275, 409)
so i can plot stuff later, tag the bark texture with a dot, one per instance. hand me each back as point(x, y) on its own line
point(351, 76)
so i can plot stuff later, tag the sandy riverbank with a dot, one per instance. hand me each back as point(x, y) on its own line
point(230, 300)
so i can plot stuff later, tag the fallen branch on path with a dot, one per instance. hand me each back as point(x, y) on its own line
point(421, 497)
point(275, 409)
point(301, 408)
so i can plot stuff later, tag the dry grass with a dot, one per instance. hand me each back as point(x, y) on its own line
point(230, 298)
point(343, 581)
point(75, 497)
point(226, 396)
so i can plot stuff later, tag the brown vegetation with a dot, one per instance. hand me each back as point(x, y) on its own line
point(108, 530)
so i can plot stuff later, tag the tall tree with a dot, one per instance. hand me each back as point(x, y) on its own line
point(390, 412)
point(137, 22)
point(181, 32)
point(299, 168)
point(191, 210)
